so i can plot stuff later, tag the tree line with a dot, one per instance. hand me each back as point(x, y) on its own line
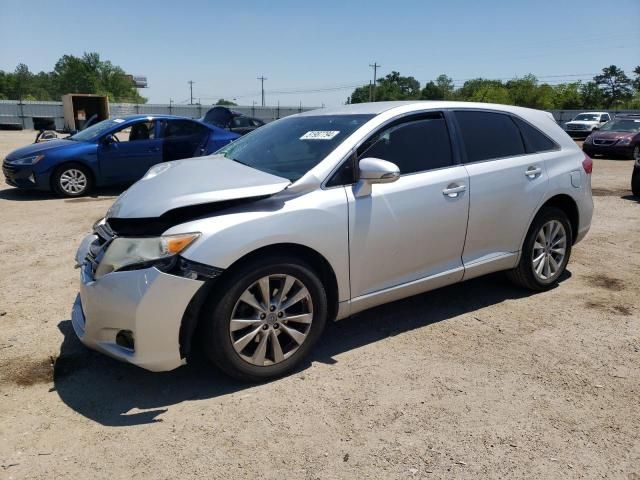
point(611, 89)
point(71, 74)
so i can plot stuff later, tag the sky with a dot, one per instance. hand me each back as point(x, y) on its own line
point(315, 52)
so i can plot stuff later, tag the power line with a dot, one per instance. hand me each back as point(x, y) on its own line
point(262, 78)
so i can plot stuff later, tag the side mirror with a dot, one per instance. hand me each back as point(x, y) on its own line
point(108, 140)
point(375, 170)
point(595, 128)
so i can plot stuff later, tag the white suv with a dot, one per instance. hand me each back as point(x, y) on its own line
point(321, 215)
point(584, 123)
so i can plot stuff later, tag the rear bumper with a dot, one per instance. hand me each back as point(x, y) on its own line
point(147, 303)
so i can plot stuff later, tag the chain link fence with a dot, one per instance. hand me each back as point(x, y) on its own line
point(18, 114)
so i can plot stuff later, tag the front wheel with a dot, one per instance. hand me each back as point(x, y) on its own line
point(545, 252)
point(267, 320)
point(72, 180)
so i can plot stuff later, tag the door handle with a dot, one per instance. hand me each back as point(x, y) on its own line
point(453, 190)
point(533, 172)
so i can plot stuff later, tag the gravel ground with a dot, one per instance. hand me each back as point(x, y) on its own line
point(477, 380)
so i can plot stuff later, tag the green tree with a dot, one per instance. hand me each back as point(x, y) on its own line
point(359, 95)
point(636, 81)
point(567, 96)
point(445, 84)
point(431, 92)
point(396, 87)
point(615, 85)
point(592, 96)
point(224, 102)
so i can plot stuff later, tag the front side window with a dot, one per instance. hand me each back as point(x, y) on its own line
point(292, 146)
point(414, 145)
point(240, 122)
point(136, 132)
point(489, 135)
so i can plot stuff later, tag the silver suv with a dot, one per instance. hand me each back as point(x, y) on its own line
point(321, 215)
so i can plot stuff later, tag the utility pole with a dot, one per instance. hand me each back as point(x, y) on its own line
point(191, 82)
point(262, 78)
point(375, 67)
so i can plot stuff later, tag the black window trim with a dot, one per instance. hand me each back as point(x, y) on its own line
point(463, 152)
point(456, 151)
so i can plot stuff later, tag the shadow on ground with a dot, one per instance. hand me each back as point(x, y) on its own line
point(19, 195)
point(105, 390)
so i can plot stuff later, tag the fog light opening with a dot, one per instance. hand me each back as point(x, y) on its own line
point(124, 338)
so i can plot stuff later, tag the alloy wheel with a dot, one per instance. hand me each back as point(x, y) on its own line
point(271, 320)
point(549, 250)
point(73, 181)
point(636, 153)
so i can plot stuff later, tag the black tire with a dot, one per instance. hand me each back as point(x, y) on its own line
point(57, 177)
point(635, 181)
point(524, 275)
point(217, 312)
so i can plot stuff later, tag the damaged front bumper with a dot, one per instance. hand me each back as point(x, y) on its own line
point(134, 315)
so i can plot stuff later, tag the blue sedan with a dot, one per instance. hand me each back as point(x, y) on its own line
point(113, 152)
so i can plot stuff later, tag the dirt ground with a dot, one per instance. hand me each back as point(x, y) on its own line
point(477, 380)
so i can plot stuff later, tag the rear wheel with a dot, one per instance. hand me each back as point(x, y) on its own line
point(267, 320)
point(72, 180)
point(545, 252)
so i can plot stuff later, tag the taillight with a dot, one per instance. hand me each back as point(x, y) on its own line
point(587, 164)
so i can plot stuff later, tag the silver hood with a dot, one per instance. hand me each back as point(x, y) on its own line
point(194, 181)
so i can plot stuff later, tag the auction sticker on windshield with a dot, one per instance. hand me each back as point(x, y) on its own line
point(320, 135)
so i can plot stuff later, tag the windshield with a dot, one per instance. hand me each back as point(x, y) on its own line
point(94, 131)
point(622, 125)
point(292, 146)
point(588, 117)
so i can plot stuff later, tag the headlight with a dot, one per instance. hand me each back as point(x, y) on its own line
point(624, 141)
point(588, 139)
point(128, 252)
point(28, 160)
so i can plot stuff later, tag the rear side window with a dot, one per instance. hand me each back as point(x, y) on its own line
point(488, 135)
point(183, 128)
point(414, 145)
point(534, 140)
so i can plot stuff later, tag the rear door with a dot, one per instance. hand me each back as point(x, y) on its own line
point(183, 138)
point(507, 184)
point(134, 149)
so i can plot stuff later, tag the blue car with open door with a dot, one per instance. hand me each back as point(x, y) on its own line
point(117, 151)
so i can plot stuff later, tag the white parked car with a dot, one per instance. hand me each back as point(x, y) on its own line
point(584, 123)
point(321, 215)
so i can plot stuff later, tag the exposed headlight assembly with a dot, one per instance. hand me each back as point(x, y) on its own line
point(27, 160)
point(128, 253)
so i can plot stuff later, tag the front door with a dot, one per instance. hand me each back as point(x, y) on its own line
point(414, 228)
point(128, 153)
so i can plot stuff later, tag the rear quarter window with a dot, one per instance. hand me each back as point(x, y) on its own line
point(534, 140)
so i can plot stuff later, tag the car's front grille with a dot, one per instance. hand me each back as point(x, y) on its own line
point(603, 142)
point(577, 127)
point(8, 169)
